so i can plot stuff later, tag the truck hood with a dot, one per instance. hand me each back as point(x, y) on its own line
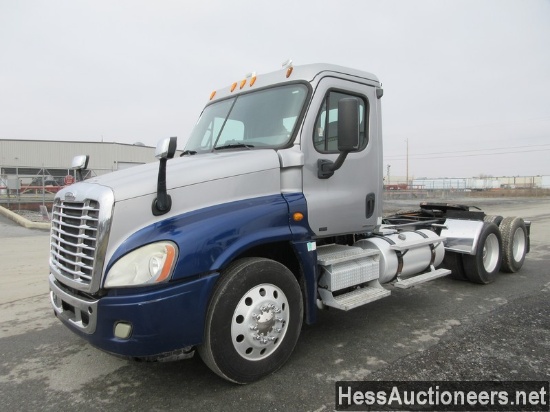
point(185, 171)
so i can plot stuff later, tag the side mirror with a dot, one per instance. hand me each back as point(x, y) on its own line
point(348, 124)
point(166, 149)
point(80, 163)
point(348, 136)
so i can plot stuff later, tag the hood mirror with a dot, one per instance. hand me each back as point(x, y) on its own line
point(80, 163)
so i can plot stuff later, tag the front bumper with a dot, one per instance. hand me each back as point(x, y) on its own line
point(162, 320)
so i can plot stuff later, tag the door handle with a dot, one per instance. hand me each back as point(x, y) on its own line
point(370, 203)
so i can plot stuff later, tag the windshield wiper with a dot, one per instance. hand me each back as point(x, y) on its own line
point(188, 152)
point(233, 146)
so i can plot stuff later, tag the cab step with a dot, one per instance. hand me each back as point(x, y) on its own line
point(355, 298)
point(417, 279)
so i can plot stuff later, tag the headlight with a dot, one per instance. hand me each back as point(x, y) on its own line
point(149, 264)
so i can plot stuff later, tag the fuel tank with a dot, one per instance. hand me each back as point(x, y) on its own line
point(414, 260)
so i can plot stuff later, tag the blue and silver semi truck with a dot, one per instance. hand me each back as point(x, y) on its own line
point(271, 212)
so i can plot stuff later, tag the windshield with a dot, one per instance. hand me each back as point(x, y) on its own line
point(266, 118)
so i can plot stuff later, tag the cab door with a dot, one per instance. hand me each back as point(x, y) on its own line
point(350, 200)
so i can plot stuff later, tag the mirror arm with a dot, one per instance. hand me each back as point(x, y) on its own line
point(163, 202)
point(326, 168)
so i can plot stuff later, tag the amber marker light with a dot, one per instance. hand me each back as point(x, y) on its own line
point(252, 81)
point(243, 82)
point(289, 71)
point(297, 216)
point(169, 263)
point(212, 95)
point(233, 86)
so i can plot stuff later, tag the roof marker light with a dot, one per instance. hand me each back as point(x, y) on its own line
point(212, 95)
point(233, 86)
point(252, 77)
point(288, 66)
point(243, 82)
point(287, 63)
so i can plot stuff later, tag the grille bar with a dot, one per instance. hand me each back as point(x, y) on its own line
point(73, 258)
point(79, 227)
point(68, 215)
point(63, 241)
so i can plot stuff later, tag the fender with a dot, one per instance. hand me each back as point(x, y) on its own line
point(461, 235)
point(210, 238)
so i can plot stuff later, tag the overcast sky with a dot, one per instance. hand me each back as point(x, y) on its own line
point(467, 82)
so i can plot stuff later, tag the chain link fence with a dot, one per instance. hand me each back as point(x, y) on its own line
point(33, 189)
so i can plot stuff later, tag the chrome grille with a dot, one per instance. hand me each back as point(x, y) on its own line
point(73, 241)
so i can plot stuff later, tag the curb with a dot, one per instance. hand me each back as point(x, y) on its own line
point(20, 220)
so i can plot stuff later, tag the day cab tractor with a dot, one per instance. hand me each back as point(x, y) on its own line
point(272, 213)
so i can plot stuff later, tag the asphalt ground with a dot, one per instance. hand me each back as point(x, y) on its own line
point(440, 330)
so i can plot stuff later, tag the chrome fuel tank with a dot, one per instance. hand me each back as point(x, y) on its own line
point(414, 260)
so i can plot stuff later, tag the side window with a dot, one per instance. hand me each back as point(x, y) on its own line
point(325, 135)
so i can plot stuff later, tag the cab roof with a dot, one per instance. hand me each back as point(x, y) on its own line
point(289, 73)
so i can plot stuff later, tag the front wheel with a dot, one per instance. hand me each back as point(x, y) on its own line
point(483, 267)
point(253, 321)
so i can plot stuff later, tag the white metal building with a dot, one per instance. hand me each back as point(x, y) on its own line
point(58, 154)
point(28, 157)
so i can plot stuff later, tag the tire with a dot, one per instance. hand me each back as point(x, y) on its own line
point(453, 261)
point(252, 293)
point(514, 243)
point(484, 266)
point(493, 219)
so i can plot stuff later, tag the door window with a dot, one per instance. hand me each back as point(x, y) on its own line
point(325, 134)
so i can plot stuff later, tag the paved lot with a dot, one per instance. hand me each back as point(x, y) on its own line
point(440, 330)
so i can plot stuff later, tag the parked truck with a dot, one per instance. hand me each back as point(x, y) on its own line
point(272, 212)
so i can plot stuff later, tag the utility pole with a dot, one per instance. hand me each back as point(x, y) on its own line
point(407, 163)
point(388, 168)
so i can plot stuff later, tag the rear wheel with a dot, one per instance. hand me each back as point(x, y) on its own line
point(514, 243)
point(493, 219)
point(253, 321)
point(483, 267)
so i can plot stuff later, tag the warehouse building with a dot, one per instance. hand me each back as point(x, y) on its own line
point(34, 159)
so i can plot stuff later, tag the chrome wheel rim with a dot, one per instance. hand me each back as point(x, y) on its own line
point(259, 322)
point(518, 244)
point(491, 253)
